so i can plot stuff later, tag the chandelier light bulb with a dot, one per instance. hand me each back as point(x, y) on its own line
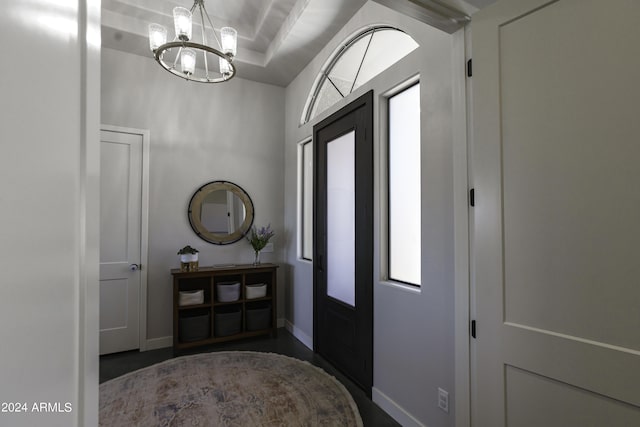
point(188, 61)
point(229, 41)
point(182, 23)
point(225, 67)
point(157, 36)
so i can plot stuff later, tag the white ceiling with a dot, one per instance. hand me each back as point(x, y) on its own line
point(276, 38)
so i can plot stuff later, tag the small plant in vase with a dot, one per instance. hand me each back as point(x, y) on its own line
point(188, 258)
point(259, 239)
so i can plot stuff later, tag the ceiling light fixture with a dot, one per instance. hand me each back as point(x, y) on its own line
point(184, 50)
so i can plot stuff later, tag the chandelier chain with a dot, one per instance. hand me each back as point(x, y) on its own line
point(210, 23)
point(204, 41)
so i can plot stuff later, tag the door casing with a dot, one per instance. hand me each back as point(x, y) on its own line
point(144, 226)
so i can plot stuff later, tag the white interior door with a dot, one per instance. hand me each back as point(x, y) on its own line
point(120, 240)
point(557, 213)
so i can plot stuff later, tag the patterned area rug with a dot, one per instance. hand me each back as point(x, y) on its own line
point(233, 388)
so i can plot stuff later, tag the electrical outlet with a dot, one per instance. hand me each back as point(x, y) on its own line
point(268, 247)
point(443, 400)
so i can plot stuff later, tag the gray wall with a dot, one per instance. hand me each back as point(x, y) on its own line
point(199, 133)
point(413, 329)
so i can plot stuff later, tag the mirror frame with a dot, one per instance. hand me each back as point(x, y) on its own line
point(195, 208)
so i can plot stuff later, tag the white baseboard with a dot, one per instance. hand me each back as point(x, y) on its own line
point(301, 336)
point(156, 343)
point(392, 408)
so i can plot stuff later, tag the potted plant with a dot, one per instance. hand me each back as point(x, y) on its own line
point(188, 254)
point(259, 239)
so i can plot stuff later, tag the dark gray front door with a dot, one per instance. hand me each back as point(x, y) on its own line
point(343, 240)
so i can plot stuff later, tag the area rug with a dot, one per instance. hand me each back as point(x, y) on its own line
point(233, 388)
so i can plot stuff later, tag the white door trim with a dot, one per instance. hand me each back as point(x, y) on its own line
point(461, 233)
point(144, 226)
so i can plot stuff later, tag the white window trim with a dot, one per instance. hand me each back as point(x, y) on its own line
point(384, 187)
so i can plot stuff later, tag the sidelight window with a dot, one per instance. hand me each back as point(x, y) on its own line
point(404, 213)
point(305, 200)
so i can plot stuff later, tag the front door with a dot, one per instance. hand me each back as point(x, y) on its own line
point(343, 240)
point(120, 240)
point(557, 211)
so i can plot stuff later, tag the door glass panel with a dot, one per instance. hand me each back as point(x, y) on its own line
point(341, 218)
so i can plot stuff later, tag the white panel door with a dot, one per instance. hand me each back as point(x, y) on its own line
point(557, 213)
point(120, 240)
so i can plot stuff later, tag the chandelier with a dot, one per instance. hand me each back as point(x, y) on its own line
point(180, 56)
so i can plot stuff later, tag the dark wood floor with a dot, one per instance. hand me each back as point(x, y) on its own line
point(114, 365)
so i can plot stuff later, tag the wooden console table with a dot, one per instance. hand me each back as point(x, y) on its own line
point(215, 321)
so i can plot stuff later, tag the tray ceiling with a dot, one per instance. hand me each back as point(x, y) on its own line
point(276, 38)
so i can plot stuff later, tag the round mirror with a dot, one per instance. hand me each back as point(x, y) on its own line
point(220, 212)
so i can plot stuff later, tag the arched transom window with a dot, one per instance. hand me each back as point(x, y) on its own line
point(358, 60)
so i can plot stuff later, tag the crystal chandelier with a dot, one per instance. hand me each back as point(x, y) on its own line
point(180, 55)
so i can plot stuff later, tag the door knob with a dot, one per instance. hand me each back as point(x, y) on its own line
point(135, 267)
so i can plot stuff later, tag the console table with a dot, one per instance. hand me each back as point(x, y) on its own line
point(210, 320)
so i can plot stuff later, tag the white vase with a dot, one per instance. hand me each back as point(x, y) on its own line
point(189, 257)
